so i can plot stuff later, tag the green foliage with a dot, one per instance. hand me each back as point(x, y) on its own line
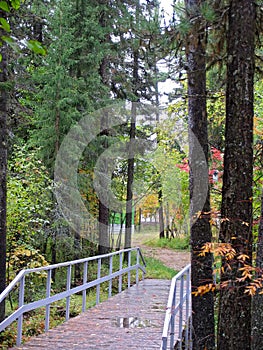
point(6, 86)
point(4, 6)
point(216, 118)
point(28, 200)
point(25, 257)
point(208, 11)
point(36, 47)
point(15, 4)
point(14, 41)
point(5, 25)
point(11, 42)
point(258, 154)
point(69, 84)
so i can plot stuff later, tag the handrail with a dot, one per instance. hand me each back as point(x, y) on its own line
point(48, 300)
point(9, 288)
point(178, 305)
point(142, 258)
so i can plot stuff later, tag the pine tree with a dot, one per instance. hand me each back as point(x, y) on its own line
point(234, 325)
point(68, 77)
point(68, 82)
point(257, 300)
point(201, 267)
point(3, 166)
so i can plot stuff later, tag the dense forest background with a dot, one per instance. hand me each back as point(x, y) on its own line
point(62, 61)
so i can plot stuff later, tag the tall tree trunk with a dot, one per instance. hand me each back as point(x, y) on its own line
point(161, 216)
point(54, 252)
point(167, 214)
point(3, 169)
point(160, 187)
point(57, 127)
point(130, 175)
point(104, 228)
point(140, 219)
point(234, 325)
point(104, 213)
point(129, 197)
point(257, 300)
point(203, 306)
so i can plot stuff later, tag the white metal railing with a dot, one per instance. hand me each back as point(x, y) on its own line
point(177, 324)
point(20, 279)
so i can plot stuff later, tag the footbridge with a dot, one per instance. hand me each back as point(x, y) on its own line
point(139, 313)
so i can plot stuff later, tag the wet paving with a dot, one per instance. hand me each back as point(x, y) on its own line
point(130, 320)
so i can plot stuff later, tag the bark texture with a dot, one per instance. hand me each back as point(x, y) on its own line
point(234, 327)
point(161, 216)
point(3, 171)
point(104, 232)
point(104, 246)
point(257, 300)
point(203, 307)
point(130, 176)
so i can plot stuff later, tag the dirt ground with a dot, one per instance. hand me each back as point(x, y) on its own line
point(171, 258)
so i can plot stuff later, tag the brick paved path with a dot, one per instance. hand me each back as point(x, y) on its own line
point(99, 327)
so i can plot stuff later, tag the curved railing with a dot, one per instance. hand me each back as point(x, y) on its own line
point(177, 325)
point(20, 280)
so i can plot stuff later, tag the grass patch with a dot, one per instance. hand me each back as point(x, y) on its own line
point(177, 243)
point(156, 269)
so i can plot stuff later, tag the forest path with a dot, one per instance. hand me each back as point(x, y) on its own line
point(174, 259)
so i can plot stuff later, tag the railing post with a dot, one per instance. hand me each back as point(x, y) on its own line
point(129, 272)
point(181, 310)
point(20, 304)
point(137, 263)
point(68, 288)
point(110, 281)
point(178, 309)
point(190, 313)
point(172, 325)
point(98, 285)
point(85, 279)
point(48, 289)
point(164, 344)
point(120, 277)
point(187, 310)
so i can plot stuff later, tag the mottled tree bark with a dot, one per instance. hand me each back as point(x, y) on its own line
point(257, 300)
point(202, 306)
point(130, 176)
point(161, 216)
point(3, 170)
point(234, 325)
point(104, 246)
point(104, 232)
